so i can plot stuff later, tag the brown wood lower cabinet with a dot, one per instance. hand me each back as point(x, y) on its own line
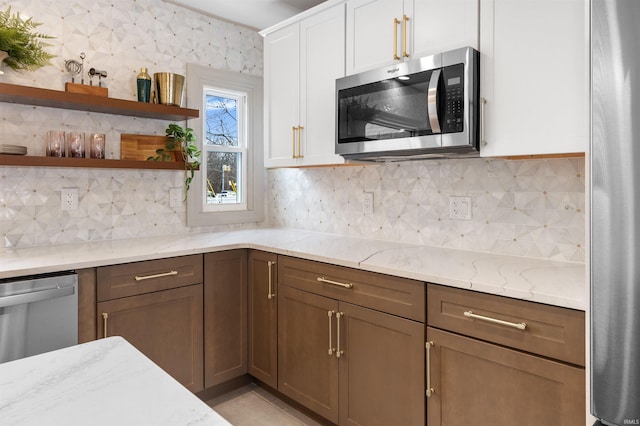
point(263, 317)
point(165, 325)
point(479, 383)
point(350, 364)
point(225, 316)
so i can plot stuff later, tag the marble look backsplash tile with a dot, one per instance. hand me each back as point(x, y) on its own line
point(528, 207)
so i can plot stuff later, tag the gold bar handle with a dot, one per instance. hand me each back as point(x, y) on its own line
point(326, 281)
point(519, 326)
point(483, 140)
point(430, 390)
point(148, 277)
point(339, 352)
point(105, 318)
point(270, 294)
point(300, 141)
point(331, 348)
point(396, 21)
point(405, 19)
point(293, 141)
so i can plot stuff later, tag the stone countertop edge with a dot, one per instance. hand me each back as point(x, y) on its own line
point(105, 381)
point(545, 281)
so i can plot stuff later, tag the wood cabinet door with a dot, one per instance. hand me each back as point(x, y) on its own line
point(371, 33)
point(282, 95)
point(381, 368)
point(307, 366)
point(263, 317)
point(478, 383)
point(225, 316)
point(534, 55)
point(322, 39)
point(166, 326)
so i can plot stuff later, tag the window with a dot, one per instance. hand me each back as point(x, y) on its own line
point(229, 186)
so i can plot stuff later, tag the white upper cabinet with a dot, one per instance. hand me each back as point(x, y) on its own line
point(302, 62)
point(381, 32)
point(534, 77)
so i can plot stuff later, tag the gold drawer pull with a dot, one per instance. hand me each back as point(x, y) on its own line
point(326, 281)
point(148, 277)
point(105, 319)
point(339, 352)
point(430, 390)
point(331, 348)
point(270, 294)
point(519, 326)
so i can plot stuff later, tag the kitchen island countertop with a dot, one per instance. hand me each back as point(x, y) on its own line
point(104, 382)
point(538, 280)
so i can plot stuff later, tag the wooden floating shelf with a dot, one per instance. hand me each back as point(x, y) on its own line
point(26, 95)
point(30, 161)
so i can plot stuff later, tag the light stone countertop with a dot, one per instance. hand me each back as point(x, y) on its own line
point(104, 382)
point(552, 282)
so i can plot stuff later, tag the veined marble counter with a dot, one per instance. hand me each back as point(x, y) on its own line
point(538, 280)
point(104, 382)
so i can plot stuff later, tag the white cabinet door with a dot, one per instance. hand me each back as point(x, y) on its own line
point(437, 26)
point(282, 87)
point(534, 76)
point(423, 27)
point(371, 32)
point(321, 63)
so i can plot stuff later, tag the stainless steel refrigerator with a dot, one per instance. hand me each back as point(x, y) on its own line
point(615, 212)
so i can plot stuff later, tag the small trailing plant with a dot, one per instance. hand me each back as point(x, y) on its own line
point(182, 140)
point(24, 46)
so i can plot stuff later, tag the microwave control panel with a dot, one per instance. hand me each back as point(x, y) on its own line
point(453, 78)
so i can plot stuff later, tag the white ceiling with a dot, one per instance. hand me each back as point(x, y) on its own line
point(257, 14)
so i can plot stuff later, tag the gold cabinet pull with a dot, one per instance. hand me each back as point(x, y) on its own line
point(430, 390)
point(396, 21)
point(148, 277)
point(339, 352)
point(293, 141)
point(331, 348)
point(483, 139)
point(270, 294)
point(405, 19)
point(105, 319)
point(326, 281)
point(519, 326)
point(300, 142)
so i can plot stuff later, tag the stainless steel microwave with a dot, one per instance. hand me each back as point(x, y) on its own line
point(424, 108)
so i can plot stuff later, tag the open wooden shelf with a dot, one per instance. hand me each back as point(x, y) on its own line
point(26, 95)
point(25, 161)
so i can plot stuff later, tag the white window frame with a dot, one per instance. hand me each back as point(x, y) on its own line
point(199, 80)
point(241, 149)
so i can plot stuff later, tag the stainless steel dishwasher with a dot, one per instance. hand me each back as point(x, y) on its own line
point(38, 314)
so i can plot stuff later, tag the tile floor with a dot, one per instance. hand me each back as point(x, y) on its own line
point(251, 405)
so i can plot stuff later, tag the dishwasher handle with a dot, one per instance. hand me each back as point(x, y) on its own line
point(36, 296)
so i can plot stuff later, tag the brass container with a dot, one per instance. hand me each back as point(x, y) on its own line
point(169, 88)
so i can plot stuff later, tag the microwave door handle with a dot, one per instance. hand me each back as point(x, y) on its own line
point(432, 101)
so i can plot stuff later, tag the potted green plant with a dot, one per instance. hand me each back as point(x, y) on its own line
point(23, 48)
point(181, 140)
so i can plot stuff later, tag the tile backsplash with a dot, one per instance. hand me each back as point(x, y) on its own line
point(530, 207)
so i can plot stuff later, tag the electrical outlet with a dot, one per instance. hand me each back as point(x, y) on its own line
point(367, 203)
point(460, 208)
point(175, 197)
point(69, 199)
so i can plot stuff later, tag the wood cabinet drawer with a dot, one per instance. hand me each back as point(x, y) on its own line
point(397, 296)
point(145, 277)
point(550, 331)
